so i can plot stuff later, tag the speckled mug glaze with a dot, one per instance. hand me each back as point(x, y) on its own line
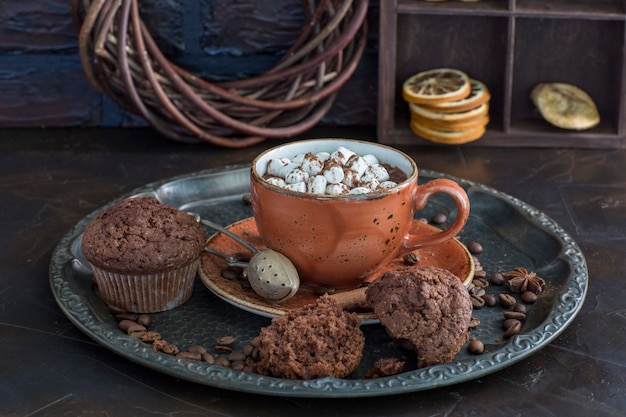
point(340, 241)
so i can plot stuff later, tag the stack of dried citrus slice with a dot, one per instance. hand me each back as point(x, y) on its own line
point(447, 106)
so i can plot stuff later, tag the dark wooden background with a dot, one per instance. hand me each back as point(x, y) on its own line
point(42, 82)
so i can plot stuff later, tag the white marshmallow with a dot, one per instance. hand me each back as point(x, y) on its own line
point(333, 173)
point(357, 163)
point(373, 185)
point(351, 178)
point(298, 158)
point(379, 172)
point(323, 156)
point(299, 187)
point(360, 190)
point(297, 175)
point(275, 166)
point(312, 164)
point(386, 185)
point(337, 189)
point(279, 182)
point(287, 169)
point(317, 184)
point(370, 159)
point(342, 154)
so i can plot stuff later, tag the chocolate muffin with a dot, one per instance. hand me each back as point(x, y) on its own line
point(144, 254)
point(428, 306)
point(315, 341)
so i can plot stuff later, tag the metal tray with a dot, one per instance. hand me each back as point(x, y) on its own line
point(512, 233)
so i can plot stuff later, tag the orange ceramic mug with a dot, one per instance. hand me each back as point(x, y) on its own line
point(340, 241)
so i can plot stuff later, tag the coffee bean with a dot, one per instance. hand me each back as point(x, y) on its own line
point(497, 278)
point(256, 354)
point(130, 326)
point(197, 349)
point(480, 274)
point(189, 355)
point(480, 282)
point(230, 274)
point(514, 315)
point(158, 344)
point(474, 248)
point(222, 361)
point(208, 358)
point(226, 341)
point(529, 297)
point(514, 327)
point(475, 346)
point(521, 308)
point(238, 365)
point(247, 199)
point(249, 368)
point(170, 349)
point(474, 322)
point(476, 291)
point(477, 302)
point(247, 350)
point(150, 336)
point(506, 300)
point(144, 320)
point(223, 349)
point(237, 356)
point(490, 300)
point(439, 218)
point(411, 258)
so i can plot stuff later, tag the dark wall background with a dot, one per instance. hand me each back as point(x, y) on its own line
point(42, 83)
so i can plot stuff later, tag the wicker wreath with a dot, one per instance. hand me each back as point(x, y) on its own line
point(121, 59)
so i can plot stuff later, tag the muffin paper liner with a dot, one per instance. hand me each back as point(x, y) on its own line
point(148, 293)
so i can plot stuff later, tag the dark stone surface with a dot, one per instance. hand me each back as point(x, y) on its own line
point(50, 179)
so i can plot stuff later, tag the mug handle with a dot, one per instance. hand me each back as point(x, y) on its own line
point(420, 198)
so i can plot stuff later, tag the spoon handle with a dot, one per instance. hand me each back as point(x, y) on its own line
point(232, 261)
point(227, 232)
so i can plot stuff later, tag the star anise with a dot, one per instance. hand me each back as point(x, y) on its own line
point(520, 281)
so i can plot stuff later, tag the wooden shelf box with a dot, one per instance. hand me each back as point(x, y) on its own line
point(511, 46)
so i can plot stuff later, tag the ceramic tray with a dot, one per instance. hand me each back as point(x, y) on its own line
point(512, 233)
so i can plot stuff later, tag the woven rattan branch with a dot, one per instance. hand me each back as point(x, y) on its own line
point(121, 59)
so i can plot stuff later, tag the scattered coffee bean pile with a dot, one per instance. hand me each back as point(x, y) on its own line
point(518, 283)
point(223, 353)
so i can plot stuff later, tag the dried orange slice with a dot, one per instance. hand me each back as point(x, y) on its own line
point(450, 138)
point(464, 116)
point(565, 106)
point(436, 86)
point(478, 95)
point(450, 126)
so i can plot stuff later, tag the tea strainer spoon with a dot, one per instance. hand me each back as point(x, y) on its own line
point(271, 274)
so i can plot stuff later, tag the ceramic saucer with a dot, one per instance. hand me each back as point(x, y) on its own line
point(451, 255)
